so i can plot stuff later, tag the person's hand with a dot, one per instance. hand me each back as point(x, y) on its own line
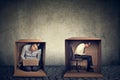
point(84, 54)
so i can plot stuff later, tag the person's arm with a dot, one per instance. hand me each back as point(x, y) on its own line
point(38, 54)
point(23, 53)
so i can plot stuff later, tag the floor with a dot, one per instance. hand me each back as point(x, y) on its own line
point(56, 73)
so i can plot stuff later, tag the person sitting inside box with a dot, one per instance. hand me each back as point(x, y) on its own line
point(30, 53)
point(80, 53)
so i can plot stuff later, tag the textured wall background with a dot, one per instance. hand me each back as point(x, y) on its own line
point(55, 20)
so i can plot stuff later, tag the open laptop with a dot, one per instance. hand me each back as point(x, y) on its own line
point(30, 62)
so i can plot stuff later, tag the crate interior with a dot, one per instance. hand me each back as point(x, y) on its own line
point(94, 50)
point(19, 46)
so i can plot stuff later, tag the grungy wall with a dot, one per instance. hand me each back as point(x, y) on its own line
point(55, 20)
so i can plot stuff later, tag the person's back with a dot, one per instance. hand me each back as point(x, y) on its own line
point(80, 49)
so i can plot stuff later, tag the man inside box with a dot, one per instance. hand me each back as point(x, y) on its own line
point(31, 51)
point(80, 53)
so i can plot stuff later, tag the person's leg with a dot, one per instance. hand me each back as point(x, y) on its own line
point(26, 68)
point(35, 68)
point(89, 60)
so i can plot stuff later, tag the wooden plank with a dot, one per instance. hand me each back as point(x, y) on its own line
point(29, 40)
point(82, 38)
point(83, 74)
point(39, 73)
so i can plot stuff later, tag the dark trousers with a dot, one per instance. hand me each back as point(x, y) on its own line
point(30, 68)
point(86, 57)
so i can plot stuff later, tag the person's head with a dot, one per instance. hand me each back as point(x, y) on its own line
point(87, 44)
point(34, 47)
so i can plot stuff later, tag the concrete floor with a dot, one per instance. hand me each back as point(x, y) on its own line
point(56, 73)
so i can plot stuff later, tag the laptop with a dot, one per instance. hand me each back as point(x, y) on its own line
point(30, 62)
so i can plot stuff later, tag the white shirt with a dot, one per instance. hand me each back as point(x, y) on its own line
point(27, 54)
point(80, 49)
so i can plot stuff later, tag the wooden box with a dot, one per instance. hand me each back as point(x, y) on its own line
point(18, 49)
point(94, 50)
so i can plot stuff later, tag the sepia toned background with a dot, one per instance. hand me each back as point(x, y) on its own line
point(53, 21)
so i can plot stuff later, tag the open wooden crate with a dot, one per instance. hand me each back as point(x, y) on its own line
point(94, 50)
point(18, 49)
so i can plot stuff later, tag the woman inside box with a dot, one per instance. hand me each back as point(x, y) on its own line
point(30, 51)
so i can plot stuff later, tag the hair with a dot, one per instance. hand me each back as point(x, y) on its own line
point(38, 44)
point(89, 43)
